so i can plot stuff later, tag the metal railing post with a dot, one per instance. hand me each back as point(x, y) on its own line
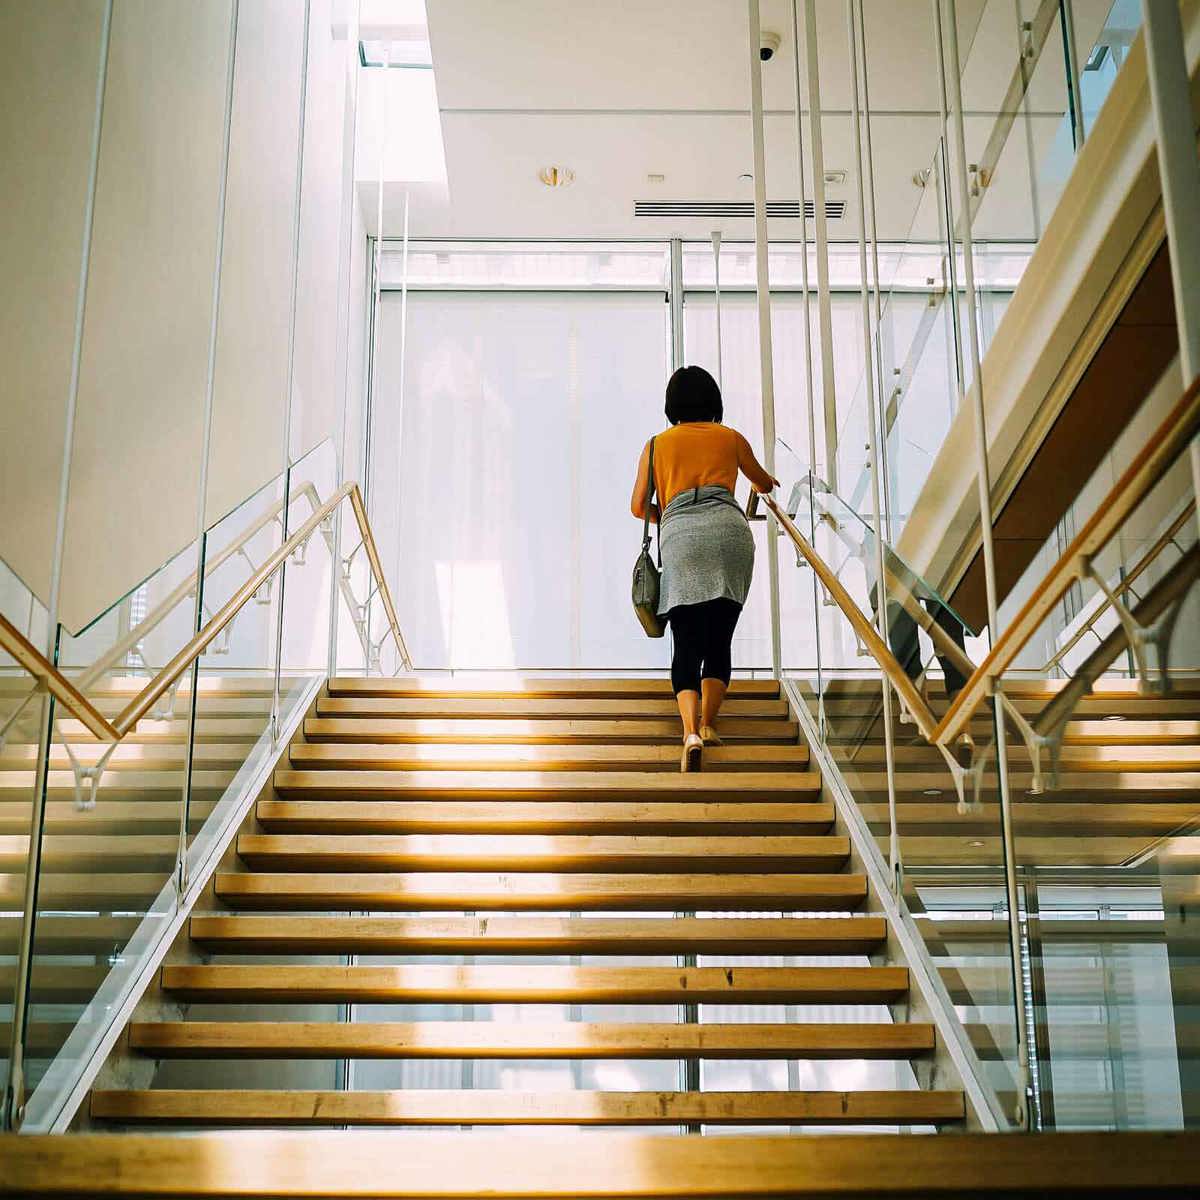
point(816, 143)
point(950, 71)
point(1175, 139)
point(881, 590)
point(12, 1108)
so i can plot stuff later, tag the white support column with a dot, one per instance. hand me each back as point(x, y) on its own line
point(950, 88)
point(763, 291)
point(716, 249)
point(1175, 135)
point(874, 427)
point(816, 143)
point(808, 355)
point(675, 297)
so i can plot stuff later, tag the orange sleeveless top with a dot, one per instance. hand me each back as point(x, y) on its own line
point(694, 454)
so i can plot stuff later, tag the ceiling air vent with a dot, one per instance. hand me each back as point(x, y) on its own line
point(834, 209)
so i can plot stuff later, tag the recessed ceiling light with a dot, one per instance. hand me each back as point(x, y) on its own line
point(976, 844)
point(835, 176)
point(652, 178)
point(745, 177)
point(557, 177)
point(932, 792)
point(1114, 717)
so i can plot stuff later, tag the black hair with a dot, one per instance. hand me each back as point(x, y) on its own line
point(693, 395)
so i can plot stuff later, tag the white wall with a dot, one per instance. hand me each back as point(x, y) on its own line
point(139, 435)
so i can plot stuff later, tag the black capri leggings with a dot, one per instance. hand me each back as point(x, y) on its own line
point(703, 636)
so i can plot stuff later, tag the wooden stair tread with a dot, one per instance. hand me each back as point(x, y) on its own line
point(549, 687)
point(466, 757)
point(516, 731)
point(469, 892)
point(623, 1165)
point(555, 785)
point(542, 816)
point(435, 984)
point(537, 935)
point(429, 1107)
point(531, 709)
point(541, 1040)
point(534, 852)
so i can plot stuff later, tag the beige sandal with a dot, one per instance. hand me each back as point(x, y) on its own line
point(709, 736)
point(693, 747)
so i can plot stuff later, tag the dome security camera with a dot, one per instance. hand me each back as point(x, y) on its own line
point(768, 44)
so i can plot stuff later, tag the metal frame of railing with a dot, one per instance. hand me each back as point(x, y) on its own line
point(52, 682)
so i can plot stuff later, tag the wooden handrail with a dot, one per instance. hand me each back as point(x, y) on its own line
point(1165, 445)
point(68, 694)
point(47, 675)
point(1136, 571)
point(867, 633)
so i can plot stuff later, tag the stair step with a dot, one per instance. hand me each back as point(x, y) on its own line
point(536, 935)
point(449, 757)
point(113, 816)
point(540, 1040)
point(507, 731)
point(429, 1107)
point(546, 816)
point(111, 891)
point(102, 853)
point(532, 852)
point(491, 689)
point(534, 785)
point(622, 1164)
point(471, 892)
point(429, 984)
point(531, 709)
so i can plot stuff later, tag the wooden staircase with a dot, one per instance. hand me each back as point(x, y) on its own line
point(532, 846)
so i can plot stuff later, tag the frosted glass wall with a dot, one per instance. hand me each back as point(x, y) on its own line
point(502, 483)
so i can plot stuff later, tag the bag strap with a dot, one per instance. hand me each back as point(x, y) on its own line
point(649, 501)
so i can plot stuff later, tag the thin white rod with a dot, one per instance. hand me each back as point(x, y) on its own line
point(1074, 73)
point(345, 304)
point(881, 384)
point(206, 445)
point(289, 387)
point(716, 249)
point(1179, 169)
point(763, 292)
point(14, 1097)
point(816, 143)
point(376, 311)
point(881, 609)
point(808, 355)
point(950, 72)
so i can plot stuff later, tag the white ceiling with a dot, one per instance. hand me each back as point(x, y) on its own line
point(621, 89)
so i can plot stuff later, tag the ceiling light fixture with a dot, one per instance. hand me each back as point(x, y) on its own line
point(931, 792)
point(835, 177)
point(655, 178)
point(557, 177)
point(745, 177)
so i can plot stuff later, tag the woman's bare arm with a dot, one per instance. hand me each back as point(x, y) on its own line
point(641, 489)
point(752, 469)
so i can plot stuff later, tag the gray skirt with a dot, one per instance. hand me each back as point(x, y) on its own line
point(707, 549)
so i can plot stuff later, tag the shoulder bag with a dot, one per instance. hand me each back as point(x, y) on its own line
point(646, 581)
